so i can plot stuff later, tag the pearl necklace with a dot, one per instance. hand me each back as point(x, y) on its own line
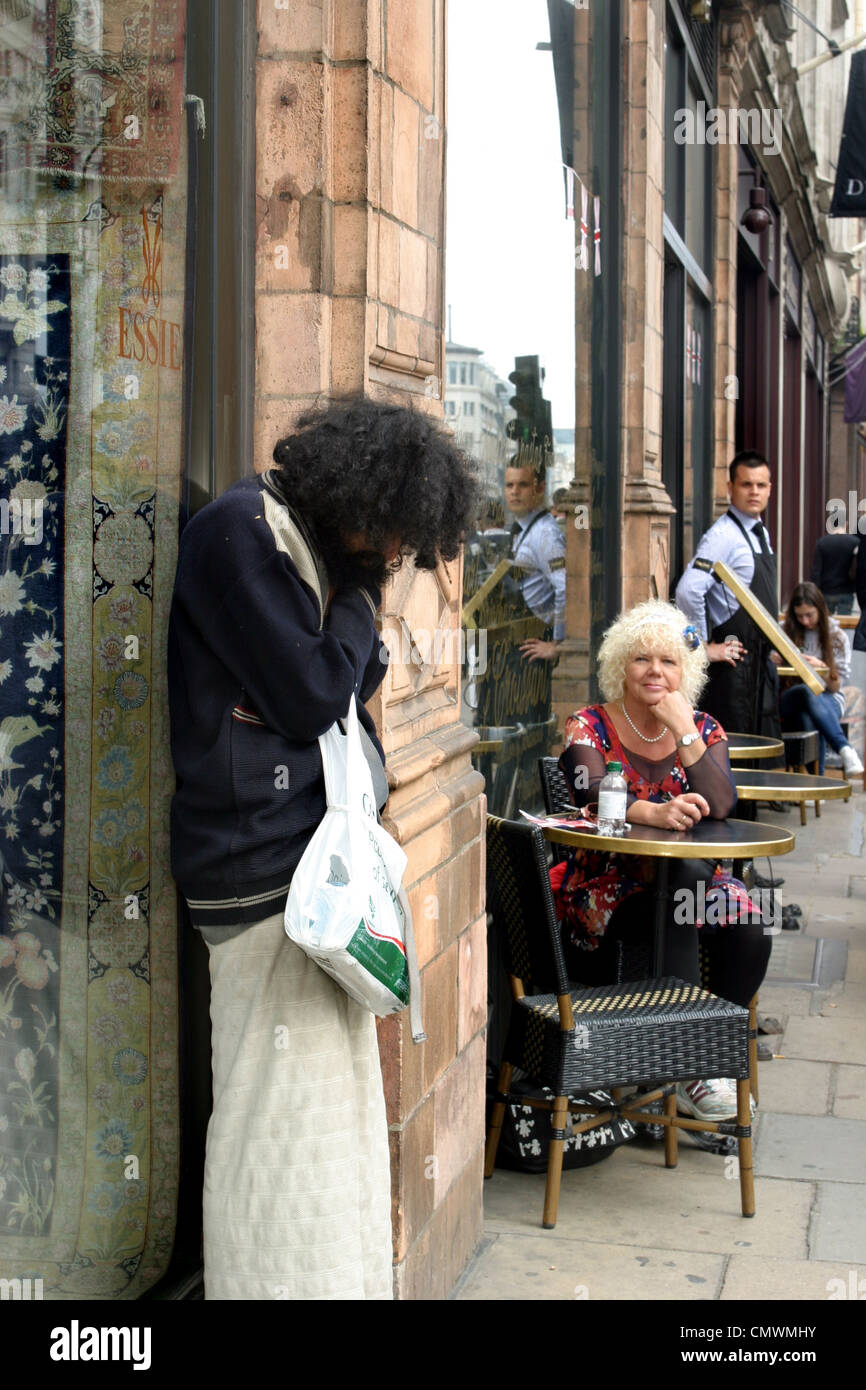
point(658, 737)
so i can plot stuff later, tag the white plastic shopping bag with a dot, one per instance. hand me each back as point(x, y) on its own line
point(346, 907)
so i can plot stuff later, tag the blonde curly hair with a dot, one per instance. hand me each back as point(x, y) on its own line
point(654, 626)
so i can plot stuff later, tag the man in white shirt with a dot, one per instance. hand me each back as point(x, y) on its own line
point(742, 687)
point(538, 551)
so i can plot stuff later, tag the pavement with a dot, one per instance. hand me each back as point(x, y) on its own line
point(628, 1228)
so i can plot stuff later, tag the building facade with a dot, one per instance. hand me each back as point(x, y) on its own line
point(215, 216)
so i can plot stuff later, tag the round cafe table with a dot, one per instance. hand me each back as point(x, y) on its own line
point(753, 785)
point(746, 748)
point(709, 839)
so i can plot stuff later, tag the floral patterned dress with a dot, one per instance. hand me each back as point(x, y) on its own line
point(591, 885)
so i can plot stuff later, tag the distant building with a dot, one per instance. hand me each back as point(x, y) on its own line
point(476, 407)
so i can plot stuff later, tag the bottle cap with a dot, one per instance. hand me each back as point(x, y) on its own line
point(614, 767)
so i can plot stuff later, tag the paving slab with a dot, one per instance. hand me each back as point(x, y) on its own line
point(814, 1148)
point(798, 1280)
point(849, 1001)
point(782, 1001)
point(827, 1039)
point(856, 971)
point(793, 1087)
point(792, 958)
point(535, 1268)
point(850, 1098)
point(632, 1199)
point(836, 925)
point(831, 905)
point(838, 1227)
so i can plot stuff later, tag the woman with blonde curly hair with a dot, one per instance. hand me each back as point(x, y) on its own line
point(675, 760)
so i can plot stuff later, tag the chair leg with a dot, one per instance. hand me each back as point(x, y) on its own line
point(554, 1162)
point(817, 810)
point(747, 1177)
point(802, 813)
point(753, 1046)
point(506, 1071)
point(672, 1136)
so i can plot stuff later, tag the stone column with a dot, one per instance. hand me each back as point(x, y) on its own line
point(736, 30)
point(349, 297)
point(646, 504)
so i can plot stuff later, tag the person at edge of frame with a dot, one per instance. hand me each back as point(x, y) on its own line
point(834, 569)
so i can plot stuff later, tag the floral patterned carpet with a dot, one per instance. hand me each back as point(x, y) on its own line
point(90, 457)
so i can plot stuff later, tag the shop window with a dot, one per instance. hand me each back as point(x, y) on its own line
point(106, 276)
point(517, 302)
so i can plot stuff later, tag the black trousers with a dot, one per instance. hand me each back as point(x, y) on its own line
point(734, 958)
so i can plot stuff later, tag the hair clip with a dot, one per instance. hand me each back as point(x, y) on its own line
point(691, 638)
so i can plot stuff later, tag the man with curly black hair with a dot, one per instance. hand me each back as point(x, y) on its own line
point(272, 632)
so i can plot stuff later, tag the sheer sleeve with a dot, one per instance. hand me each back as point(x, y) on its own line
point(711, 777)
point(584, 761)
point(583, 766)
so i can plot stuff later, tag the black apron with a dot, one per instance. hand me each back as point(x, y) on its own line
point(745, 698)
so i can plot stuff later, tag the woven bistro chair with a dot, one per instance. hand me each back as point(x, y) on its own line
point(649, 1033)
point(634, 963)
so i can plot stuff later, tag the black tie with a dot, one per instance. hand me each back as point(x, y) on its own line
point(516, 530)
point(758, 530)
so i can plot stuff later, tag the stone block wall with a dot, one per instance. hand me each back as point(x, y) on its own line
point(350, 128)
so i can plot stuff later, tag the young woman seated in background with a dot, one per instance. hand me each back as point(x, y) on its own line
point(823, 642)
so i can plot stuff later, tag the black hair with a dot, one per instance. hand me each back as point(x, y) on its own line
point(358, 465)
point(749, 458)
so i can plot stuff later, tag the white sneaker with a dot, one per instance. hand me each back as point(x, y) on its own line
point(851, 764)
point(715, 1099)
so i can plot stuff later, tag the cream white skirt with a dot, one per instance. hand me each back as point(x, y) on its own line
point(297, 1193)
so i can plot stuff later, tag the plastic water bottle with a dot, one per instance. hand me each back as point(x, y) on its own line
point(612, 801)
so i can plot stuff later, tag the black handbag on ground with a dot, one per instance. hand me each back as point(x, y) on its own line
point(525, 1141)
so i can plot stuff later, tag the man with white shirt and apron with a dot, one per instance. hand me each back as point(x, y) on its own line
point(538, 552)
point(742, 686)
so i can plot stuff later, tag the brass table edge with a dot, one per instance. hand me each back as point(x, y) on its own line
point(837, 793)
point(677, 849)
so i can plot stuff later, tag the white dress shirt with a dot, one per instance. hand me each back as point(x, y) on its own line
point(700, 594)
point(540, 551)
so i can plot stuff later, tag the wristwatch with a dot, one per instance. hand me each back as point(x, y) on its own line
point(687, 739)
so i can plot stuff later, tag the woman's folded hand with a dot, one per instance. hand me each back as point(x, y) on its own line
point(681, 812)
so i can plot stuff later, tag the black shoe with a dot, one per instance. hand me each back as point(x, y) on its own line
point(769, 1025)
point(779, 808)
point(761, 882)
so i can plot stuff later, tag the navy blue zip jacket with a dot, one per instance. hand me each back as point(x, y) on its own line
point(256, 672)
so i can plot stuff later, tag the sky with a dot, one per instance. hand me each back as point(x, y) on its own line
point(509, 266)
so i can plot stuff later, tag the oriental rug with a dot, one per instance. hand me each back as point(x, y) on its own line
point(91, 314)
point(104, 100)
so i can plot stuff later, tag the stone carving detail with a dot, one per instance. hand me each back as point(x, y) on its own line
point(422, 657)
point(734, 38)
point(659, 571)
